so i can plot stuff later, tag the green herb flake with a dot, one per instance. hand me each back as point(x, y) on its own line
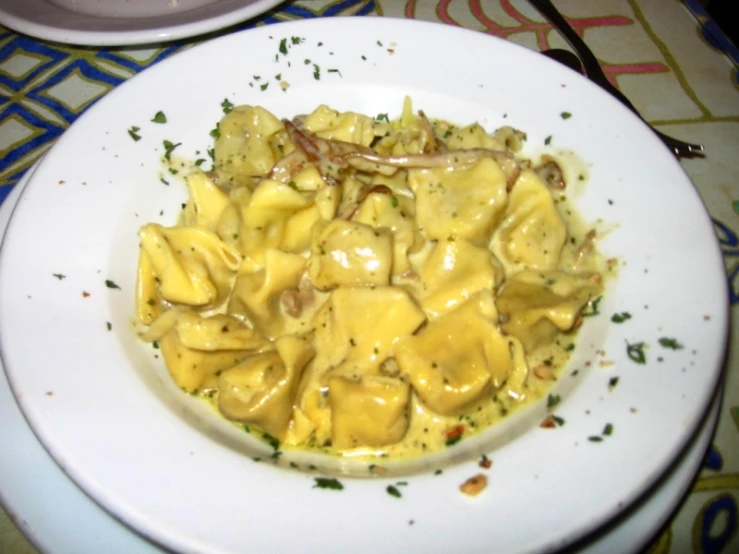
point(328, 483)
point(299, 40)
point(199, 162)
point(565, 115)
point(570, 347)
point(382, 117)
point(393, 491)
point(335, 71)
point(273, 442)
point(394, 201)
point(364, 58)
point(558, 420)
point(133, 132)
point(155, 345)
point(227, 106)
point(111, 284)
point(108, 325)
point(59, 276)
point(548, 140)
point(595, 438)
point(612, 382)
point(159, 117)
point(670, 343)
point(636, 352)
point(592, 308)
point(316, 72)
point(438, 472)
point(283, 47)
point(216, 132)
point(164, 181)
point(553, 400)
point(169, 147)
point(379, 43)
point(264, 86)
point(621, 317)
point(278, 77)
point(608, 430)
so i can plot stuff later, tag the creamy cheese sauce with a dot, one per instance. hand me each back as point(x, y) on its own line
point(370, 289)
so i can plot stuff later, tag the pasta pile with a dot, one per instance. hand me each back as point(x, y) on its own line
point(360, 285)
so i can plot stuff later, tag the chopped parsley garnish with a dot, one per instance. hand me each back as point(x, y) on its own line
point(335, 71)
point(155, 345)
point(553, 400)
point(565, 115)
point(199, 162)
point(59, 276)
point(227, 105)
point(394, 201)
point(328, 483)
point(670, 343)
point(133, 132)
point(595, 438)
point(264, 86)
point(298, 40)
point(592, 307)
point(316, 72)
point(169, 147)
point(163, 180)
point(438, 472)
point(558, 420)
point(379, 43)
point(216, 131)
point(612, 382)
point(620, 318)
point(111, 284)
point(636, 352)
point(570, 347)
point(273, 442)
point(382, 117)
point(278, 77)
point(108, 325)
point(159, 117)
point(283, 47)
point(548, 140)
point(608, 430)
point(393, 491)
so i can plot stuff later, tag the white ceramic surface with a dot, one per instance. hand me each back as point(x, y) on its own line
point(117, 22)
point(108, 413)
point(27, 498)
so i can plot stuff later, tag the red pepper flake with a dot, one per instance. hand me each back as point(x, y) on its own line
point(474, 485)
point(62, 182)
point(455, 433)
point(49, 393)
point(85, 294)
point(632, 410)
point(548, 423)
point(390, 51)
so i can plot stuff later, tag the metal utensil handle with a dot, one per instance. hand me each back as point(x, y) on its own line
point(593, 69)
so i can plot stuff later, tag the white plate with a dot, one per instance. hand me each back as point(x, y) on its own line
point(25, 498)
point(110, 416)
point(129, 22)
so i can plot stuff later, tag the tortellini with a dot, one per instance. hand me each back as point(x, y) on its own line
point(359, 285)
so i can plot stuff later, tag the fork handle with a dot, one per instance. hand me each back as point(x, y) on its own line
point(593, 70)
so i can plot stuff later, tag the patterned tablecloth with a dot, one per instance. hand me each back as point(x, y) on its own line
point(667, 56)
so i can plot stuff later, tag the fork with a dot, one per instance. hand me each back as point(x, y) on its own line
point(594, 72)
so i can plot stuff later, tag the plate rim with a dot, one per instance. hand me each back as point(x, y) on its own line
point(164, 33)
point(723, 319)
